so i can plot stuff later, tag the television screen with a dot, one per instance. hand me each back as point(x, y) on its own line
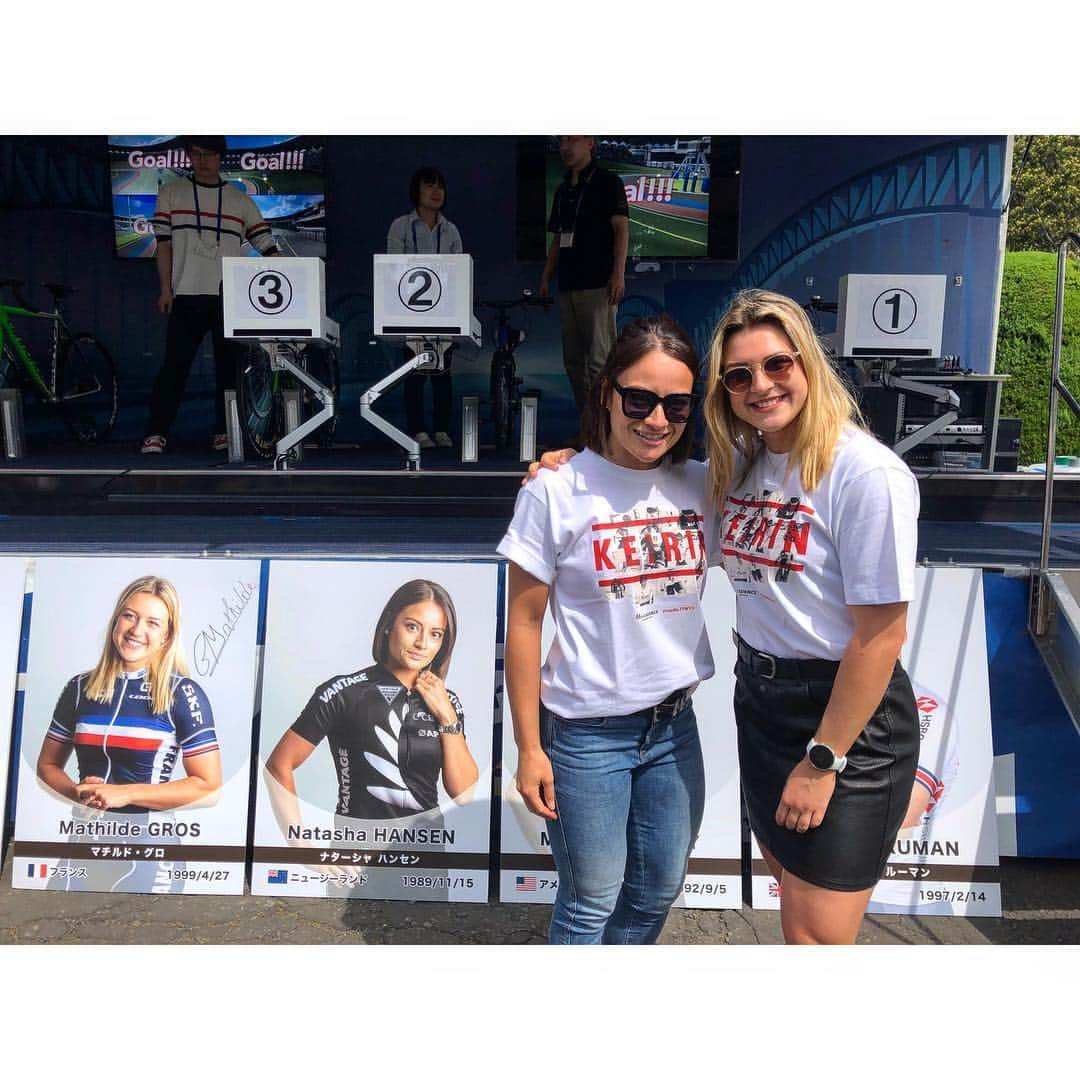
point(282, 173)
point(682, 192)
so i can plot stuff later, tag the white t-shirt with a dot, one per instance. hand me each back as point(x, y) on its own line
point(623, 552)
point(796, 560)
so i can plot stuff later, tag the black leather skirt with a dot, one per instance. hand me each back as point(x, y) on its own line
point(776, 718)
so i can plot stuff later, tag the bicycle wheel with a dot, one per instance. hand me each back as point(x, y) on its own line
point(502, 389)
point(321, 361)
point(87, 389)
point(258, 402)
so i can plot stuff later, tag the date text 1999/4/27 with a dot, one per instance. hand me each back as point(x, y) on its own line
point(200, 875)
point(411, 881)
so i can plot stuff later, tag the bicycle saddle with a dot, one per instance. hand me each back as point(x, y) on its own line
point(59, 291)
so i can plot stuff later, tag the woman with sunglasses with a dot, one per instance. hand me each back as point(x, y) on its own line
point(818, 538)
point(607, 740)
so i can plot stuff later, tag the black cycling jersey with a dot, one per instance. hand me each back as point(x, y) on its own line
point(386, 745)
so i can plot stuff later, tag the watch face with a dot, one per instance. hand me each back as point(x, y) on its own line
point(821, 757)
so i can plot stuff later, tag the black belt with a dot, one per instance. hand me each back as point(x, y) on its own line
point(671, 706)
point(767, 666)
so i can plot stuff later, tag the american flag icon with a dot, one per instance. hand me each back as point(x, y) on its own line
point(525, 883)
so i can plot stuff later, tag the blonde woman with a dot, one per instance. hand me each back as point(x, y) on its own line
point(131, 717)
point(818, 538)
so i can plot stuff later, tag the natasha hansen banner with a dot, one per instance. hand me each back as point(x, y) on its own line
point(945, 859)
point(12, 586)
point(714, 877)
point(376, 731)
point(136, 735)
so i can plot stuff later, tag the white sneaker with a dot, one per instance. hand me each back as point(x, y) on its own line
point(152, 444)
point(442, 439)
point(423, 440)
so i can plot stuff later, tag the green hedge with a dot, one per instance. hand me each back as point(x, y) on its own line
point(1024, 347)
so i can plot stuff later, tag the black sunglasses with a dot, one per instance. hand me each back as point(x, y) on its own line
point(737, 380)
point(638, 403)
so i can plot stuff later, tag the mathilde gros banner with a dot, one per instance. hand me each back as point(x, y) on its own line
point(945, 859)
point(12, 585)
point(136, 736)
point(376, 730)
point(526, 868)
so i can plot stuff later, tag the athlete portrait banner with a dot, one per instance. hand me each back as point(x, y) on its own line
point(714, 876)
point(945, 859)
point(12, 586)
point(374, 774)
point(136, 736)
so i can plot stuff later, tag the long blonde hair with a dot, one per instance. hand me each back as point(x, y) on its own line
point(829, 405)
point(169, 660)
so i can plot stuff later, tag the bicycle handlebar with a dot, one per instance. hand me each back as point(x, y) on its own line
point(524, 300)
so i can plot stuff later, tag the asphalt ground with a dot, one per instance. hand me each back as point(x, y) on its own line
point(529, 1013)
point(1041, 907)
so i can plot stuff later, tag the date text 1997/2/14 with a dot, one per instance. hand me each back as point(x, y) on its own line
point(954, 896)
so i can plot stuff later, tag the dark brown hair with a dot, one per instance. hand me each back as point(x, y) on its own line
point(636, 339)
point(416, 592)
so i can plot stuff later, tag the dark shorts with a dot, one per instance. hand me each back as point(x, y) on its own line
point(776, 719)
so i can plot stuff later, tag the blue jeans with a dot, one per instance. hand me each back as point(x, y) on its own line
point(629, 794)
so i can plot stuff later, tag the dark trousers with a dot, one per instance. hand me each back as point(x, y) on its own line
point(191, 318)
point(442, 393)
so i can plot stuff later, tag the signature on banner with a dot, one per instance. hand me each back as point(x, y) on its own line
point(210, 643)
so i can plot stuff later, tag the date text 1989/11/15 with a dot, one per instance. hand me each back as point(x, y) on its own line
point(954, 896)
point(410, 881)
point(200, 875)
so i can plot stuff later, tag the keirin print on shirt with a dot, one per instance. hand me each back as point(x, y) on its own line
point(650, 556)
point(764, 534)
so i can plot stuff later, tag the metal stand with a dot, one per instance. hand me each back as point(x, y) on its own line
point(290, 446)
point(11, 416)
point(530, 405)
point(470, 429)
point(232, 429)
point(941, 394)
point(429, 357)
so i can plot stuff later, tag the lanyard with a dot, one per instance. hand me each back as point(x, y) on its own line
point(438, 238)
point(563, 194)
point(198, 214)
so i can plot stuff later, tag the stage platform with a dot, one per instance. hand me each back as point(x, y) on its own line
point(62, 498)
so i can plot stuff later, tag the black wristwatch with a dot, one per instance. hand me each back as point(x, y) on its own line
point(823, 757)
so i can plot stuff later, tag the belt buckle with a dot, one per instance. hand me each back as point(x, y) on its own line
point(772, 664)
point(668, 709)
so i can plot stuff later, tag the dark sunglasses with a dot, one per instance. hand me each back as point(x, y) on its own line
point(638, 403)
point(737, 380)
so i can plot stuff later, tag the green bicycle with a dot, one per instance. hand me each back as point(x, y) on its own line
point(80, 381)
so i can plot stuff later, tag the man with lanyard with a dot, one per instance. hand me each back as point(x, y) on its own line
point(426, 232)
point(591, 223)
point(198, 220)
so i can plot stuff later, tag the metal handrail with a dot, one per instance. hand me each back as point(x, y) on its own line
point(1041, 605)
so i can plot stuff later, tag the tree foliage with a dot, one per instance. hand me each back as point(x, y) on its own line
point(1025, 346)
point(1045, 200)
